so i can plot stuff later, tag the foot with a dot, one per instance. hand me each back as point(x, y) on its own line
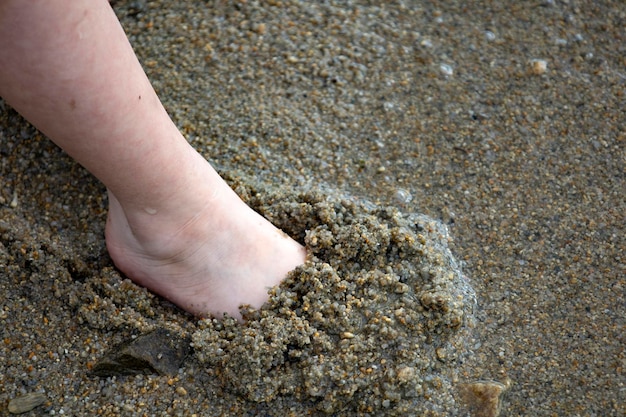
point(209, 260)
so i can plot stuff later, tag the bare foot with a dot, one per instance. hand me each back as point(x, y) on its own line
point(207, 260)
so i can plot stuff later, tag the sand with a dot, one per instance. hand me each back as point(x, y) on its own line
point(347, 123)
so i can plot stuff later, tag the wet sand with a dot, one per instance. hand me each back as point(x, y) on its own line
point(503, 122)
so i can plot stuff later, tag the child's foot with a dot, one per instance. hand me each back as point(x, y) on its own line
point(208, 262)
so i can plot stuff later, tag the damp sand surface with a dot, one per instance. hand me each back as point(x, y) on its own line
point(424, 153)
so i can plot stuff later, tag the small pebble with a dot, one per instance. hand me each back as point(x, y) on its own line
point(483, 398)
point(446, 69)
point(403, 196)
point(27, 402)
point(406, 374)
point(261, 28)
point(538, 66)
point(13, 203)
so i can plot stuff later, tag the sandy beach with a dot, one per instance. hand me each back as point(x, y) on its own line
point(458, 169)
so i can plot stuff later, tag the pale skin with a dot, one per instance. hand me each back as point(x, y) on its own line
point(174, 226)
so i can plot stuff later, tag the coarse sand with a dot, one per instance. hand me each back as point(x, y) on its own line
point(457, 169)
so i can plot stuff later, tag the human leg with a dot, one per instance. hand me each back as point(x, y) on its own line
point(174, 225)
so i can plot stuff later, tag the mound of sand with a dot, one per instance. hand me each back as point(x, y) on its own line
point(374, 321)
